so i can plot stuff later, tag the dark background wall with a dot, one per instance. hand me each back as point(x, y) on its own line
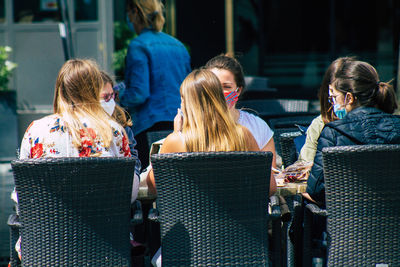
point(201, 26)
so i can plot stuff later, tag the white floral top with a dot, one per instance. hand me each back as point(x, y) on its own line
point(48, 137)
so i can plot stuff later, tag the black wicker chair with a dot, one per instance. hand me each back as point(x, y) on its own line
point(155, 136)
point(74, 211)
point(363, 204)
point(287, 125)
point(213, 208)
point(288, 148)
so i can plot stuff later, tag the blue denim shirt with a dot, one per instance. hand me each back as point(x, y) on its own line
point(156, 65)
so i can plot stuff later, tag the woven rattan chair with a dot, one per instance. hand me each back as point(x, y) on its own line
point(287, 125)
point(363, 204)
point(288, 148)
point(213, 208)
point(74, 211)
point(155, 136)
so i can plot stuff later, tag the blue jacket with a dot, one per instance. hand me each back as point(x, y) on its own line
point(156, 65)
point(363, 125)
point(134, 152)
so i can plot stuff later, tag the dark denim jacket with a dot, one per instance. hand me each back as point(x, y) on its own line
point(156, 65)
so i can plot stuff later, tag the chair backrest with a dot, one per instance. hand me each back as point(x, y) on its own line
point(74, 211)
point(288, 148)
point(363, 203)
point(156, 135)
point(213, 207)
point(287, 125)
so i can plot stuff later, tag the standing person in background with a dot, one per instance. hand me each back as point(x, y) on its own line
point(230, 73)
point(156, 65)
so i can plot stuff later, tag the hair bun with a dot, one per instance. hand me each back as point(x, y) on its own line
point(152, 15)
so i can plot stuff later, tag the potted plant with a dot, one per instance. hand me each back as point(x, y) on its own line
point(7, 96)
point(8, 107)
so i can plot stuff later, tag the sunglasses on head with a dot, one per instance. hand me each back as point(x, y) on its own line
point(108, 97)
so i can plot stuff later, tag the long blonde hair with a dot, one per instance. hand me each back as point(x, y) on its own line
point(150, 13)
point(207, 123)
point(77, 96)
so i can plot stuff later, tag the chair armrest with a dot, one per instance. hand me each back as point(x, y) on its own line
point(315, 210)
point(137, 213)
point(275, 212)
point(285, 211)
point(13, 221)
point(154, 214)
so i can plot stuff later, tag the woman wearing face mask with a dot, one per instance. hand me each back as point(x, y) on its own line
point(230, 73)
point(108, 97)
point(364, 106)
point(307, 152)
point(156, 65)
point(79, 127)
point(207, 125)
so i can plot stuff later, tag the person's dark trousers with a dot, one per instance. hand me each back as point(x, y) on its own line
point(143, 147)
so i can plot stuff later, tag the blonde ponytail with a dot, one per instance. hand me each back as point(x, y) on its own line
point(150, 13)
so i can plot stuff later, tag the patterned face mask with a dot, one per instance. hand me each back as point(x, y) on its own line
point(231, 97)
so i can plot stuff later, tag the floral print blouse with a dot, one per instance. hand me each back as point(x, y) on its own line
point(48, 137)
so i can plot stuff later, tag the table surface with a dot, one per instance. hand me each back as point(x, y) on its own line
point(289, 189)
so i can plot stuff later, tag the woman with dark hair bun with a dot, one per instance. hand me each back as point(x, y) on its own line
point(363, 105)
point(307, 152)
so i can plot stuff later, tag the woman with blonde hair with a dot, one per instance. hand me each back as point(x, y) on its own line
point(230, 73)
point(205, 122)
point(156, 64)
point(79, 127)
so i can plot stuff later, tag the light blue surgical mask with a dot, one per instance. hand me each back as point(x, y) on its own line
point(340, 110)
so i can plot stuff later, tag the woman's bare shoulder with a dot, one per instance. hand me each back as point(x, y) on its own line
point(173, 143)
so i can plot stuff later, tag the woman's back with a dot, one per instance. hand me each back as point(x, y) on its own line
point(49, 137)
point(175, 142)
point(362, 126)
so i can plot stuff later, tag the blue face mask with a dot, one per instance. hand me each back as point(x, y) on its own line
point(130, 24)
point(340, 110)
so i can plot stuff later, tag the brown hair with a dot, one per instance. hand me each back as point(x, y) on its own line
point(77, 96)
point(120, 114)
point(228, 62)
point(362, 80)
point(150, 13)
point(207, 124)
point(327, 113)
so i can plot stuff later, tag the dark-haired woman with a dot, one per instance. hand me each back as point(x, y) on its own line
point(364, 106)
point(309, 149)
